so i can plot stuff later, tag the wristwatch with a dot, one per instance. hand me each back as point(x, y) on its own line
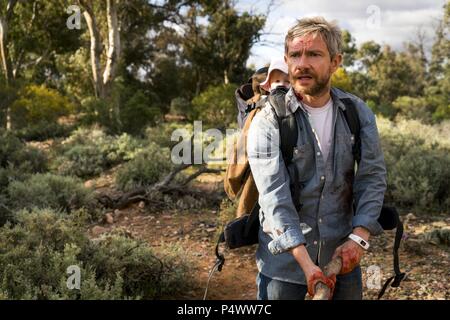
point(363, 243)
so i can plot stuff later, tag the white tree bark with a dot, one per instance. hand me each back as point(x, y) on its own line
point(96, 48)
point(4, 53)
point(113, 54)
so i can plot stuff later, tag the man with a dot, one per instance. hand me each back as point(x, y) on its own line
point(289, 262)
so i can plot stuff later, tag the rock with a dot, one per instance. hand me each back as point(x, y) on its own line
point(117, 211)
point(109, 218)
point(89, 184)
point(97, 231)
point(209, 230)
point(119, 215)
point(410, 216)
point(141, 205)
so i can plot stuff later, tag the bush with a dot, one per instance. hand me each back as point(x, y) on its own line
point(13, 152)
point(216, 106)
point(88, 153)
point(180, 106)
point(49, 191)
point(38, 105)
point(418, 163)
point(139, 112)
point(161, 135)
point(412, 108)
point(145, 169)
point(44, 131)
point(37, 251)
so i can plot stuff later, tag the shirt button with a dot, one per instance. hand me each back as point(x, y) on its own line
point(315, 243)
point(318, 153)
point(322, 178)
point(320, 220)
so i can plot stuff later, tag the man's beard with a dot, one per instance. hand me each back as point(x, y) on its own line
point(320, 85)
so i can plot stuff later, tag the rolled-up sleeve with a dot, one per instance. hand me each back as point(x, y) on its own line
point(281, 220)
point(370, 180)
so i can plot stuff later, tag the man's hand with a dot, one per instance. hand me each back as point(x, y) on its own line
point(315, 275)
point(312, 272)
point(351, 252)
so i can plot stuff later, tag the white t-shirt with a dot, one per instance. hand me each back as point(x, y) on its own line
point(322, 122)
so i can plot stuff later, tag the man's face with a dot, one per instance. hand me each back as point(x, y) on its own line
point(310, 65)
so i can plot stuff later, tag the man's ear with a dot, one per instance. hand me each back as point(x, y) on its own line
point(336, 62)
point(285, 58)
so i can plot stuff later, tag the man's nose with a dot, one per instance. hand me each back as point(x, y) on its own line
point(303, 62)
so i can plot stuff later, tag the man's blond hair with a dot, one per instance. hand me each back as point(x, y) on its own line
point(329, 31)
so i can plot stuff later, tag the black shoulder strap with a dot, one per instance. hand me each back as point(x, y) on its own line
point(288, 139)
point(352, 119)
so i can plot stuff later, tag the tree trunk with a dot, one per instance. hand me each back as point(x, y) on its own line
point(225, 77)
point(4, 54)
point(96, 48)
point(113, 54)
point(112, 59)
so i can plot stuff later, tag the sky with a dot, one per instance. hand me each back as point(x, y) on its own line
point(391, 22)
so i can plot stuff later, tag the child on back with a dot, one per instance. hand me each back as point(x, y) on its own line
point(276, 76)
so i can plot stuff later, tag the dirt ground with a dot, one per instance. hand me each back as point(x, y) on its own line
point(427, 264)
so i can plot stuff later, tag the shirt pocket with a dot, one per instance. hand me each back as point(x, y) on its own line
point(344, 144)
point(303, 157)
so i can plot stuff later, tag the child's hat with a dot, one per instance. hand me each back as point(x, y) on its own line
point(275, 64)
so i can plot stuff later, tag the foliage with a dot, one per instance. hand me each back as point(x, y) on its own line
point(49, 191)
point(341, 80)
point(38, 105)
point(37, 251)
point(162, 134)
point(87, 153)
point(17, 160)
point(138, 112)
point(216, 106)
point(145, 169)
point(418, 163)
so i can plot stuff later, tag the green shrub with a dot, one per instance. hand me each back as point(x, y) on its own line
point(138, 112)
point(88, 153)
point(14, 152)
point(412, 108)
point(161, 135)
point(145, 169)
point(38, 105)
point(44, 131)
point(418, 162)
point(216, 106)
point(49, 191)
point(180, 106)
point(37, 251)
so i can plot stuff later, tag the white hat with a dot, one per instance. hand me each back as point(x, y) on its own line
point(275, 64)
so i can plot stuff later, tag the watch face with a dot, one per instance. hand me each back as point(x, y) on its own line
point(363, 243)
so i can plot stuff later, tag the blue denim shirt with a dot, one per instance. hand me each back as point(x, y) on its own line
point(328, 188)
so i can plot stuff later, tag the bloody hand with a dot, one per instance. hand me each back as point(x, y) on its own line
point(318, 276)
point(351, 254)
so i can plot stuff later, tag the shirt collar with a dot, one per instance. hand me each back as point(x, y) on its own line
point(293, 103)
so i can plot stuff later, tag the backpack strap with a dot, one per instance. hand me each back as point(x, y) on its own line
point(288, 128)
point(399, 276)
point(352, 119)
